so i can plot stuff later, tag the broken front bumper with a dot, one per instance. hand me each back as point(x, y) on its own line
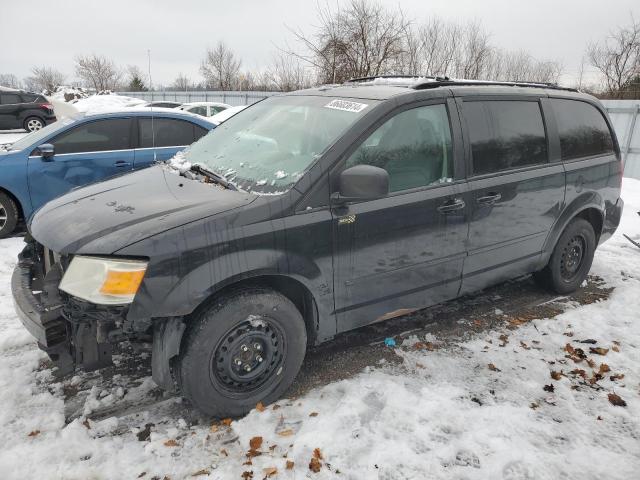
point(66, 329)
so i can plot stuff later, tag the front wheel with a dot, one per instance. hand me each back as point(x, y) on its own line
point(245, 348)
point(571, 258)
point(8, 215)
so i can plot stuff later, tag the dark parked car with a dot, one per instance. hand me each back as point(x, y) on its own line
point(313, 213)
point(20, 109)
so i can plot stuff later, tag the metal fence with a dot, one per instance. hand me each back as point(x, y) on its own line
point(624, 116)
point(230, 98)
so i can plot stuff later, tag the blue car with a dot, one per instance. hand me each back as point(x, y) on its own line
point(85, 149)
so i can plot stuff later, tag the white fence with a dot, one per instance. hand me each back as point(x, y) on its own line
point(624, 115)
point(230, 98)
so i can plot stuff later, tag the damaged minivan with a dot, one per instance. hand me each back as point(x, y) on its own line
point(313, 213)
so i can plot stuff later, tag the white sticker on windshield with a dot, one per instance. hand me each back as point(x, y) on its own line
point(346, 106)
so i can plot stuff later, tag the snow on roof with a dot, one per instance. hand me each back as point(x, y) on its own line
point(218, 118)
point(204, 104)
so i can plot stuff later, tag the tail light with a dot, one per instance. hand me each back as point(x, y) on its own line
point(46, 106)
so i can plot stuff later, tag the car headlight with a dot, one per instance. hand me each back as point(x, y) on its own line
point(104, 281)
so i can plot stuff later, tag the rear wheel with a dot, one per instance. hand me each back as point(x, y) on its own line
point(571, 258)
point(33, 124)
point(8, 215)
point(244, 349)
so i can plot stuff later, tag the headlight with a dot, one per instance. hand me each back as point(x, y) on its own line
point(103, 281)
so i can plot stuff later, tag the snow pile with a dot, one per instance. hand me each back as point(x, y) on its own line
point(99, 103)
point(540, 399)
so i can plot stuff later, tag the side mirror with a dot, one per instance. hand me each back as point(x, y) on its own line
point(46, 151)
point(362, 182)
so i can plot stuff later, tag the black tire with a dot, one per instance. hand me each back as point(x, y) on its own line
point(259, 319)
point(8, 215)
point(571, 259)
point(33, 124)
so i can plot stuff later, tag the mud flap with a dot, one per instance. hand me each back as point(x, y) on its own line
point(167, 336)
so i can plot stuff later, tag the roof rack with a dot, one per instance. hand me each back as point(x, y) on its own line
point(422, 82)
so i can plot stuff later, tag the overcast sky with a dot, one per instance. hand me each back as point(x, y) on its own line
point(178, 32)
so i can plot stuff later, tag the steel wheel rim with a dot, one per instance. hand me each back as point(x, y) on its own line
point(3, 217)
point(572, 257)
point(248, 355)
point(34, 125)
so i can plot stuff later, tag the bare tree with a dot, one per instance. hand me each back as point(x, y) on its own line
point(182, 83)
point(617, 57)
point(98, 71)
point(44, 78)
point(9, 80)
point(287, 73)
point(361, 39)
point(220, 67)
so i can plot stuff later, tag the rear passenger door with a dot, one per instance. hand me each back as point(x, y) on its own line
point(515, 192)
point(405, 251)
point(10, 110)
point(160, 139)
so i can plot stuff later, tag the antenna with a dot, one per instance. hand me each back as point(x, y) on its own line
point(153, 128)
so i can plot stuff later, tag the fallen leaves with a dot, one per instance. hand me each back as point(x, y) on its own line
point(493, 368)
point(201, 472)
point(290, 465)
point(313, 414)
point(260, 407)
point(424, 346)
point(34, 433)
point(247, 475)
point(556, 375)
point(227, 422)
point(315, 464)
point(598, 350)
point(504, 339)
point(617, 376)
point(255, 443)
point(171, 443)
point(549, 388)
point(616, 400)
point(286, 433)
point(269, 471)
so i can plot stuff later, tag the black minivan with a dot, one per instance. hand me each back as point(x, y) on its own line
point(316, 212)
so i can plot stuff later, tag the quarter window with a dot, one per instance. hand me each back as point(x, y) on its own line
point(414, 147)
point(168, 132)
point(582, 129)
point(505, 134)
point(98, 136)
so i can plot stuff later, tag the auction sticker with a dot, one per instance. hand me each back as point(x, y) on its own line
point(346, 105)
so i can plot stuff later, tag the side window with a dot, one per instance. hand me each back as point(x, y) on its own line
point(582, 128)
point(414, 147)
point(169, 132)
point(198, 110)
point(199, 132)
point(505, 134)
point(98, 136)
point(10, 99)
point(215, 110)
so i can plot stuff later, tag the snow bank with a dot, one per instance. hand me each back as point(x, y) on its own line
point(476, 410)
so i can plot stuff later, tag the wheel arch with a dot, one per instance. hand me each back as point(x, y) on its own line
point(16, 200)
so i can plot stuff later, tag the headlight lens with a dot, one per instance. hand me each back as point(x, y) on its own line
point(104, 281)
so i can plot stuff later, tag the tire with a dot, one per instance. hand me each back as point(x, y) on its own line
point(33, 124)
point(8, 215)
point(571, 259)
point(211, 369)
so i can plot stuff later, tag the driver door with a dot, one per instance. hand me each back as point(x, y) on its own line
point(86, 153)
point(405, 251)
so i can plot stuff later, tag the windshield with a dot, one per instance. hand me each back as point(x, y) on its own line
point(34, 138)
point(267, 147)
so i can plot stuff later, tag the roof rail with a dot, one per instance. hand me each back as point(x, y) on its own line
point(422, 82)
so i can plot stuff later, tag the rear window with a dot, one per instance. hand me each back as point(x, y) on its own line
point(28, 98)
point(582, 128)
point(505, 134)
point(168, 132)
point(10, 99)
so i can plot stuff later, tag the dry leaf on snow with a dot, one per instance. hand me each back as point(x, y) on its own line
point(255, 443)
point(493, 368)
point(247, 475)
point(286, 433)
point(315, 465)
point(556, 375)
point(599, 350)
point(616, 400)
point(34, 433)
point(260, 407)
point(549, 388)
point(201, 472)
point(270, 471)
point(290, 465)
point(171, 443)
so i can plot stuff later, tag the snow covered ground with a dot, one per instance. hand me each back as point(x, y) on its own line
point(533, 400)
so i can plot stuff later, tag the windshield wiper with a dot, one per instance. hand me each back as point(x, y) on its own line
point(216, 177)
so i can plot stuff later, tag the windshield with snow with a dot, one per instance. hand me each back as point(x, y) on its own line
point(266, 148)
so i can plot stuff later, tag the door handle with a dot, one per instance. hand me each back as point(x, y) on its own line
point(451, 206)
point(122, 163)
point(489, 199)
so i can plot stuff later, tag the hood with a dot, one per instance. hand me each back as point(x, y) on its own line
point(104, 217)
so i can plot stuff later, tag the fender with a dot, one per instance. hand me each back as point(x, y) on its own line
point(581, 203)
